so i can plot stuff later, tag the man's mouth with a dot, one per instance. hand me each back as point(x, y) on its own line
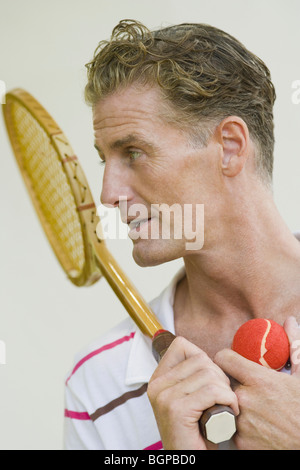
point(137, 224)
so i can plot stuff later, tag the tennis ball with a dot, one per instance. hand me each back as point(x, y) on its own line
point(262, 341)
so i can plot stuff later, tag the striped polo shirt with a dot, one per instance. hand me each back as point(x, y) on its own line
point(107, 406)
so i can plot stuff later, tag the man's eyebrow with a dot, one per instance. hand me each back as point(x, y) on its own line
point(127, 140)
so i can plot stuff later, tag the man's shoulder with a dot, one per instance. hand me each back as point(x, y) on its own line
point(121, 332)
point(110, 352)
point(102, 352)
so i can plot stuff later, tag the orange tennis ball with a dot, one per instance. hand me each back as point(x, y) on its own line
point(262, 341)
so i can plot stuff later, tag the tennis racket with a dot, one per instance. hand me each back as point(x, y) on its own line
point(63, 201)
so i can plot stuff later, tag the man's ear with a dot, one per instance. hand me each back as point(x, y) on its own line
point(233, 136)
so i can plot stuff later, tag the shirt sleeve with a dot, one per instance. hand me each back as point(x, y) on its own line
point(80, 432)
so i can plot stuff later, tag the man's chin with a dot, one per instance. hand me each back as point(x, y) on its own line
point(144, 258)
point(147, 253)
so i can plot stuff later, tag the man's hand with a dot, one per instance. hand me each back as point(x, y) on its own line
point(185, 383)
point(269, 401)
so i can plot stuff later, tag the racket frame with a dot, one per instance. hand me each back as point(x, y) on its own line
point(98, 259)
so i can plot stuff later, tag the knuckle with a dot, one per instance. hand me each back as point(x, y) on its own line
point(212, 389)
point(153, 389)
point(211, 375)
point(207, 377)
point(220, 394)
point(217, 356)
point(174, 410)
point(150, 391)
point(224, 353)
point(202, 361)
point(242, 397)
point(162, 400)
point(202, 357)
point(179, 342)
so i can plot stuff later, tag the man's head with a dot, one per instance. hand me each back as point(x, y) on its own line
point(204, 76)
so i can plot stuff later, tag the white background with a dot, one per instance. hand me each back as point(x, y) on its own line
point(44, 320)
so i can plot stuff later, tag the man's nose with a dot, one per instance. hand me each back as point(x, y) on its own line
point(116, 186)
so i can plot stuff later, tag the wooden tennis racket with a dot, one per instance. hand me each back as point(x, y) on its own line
point(63, 201)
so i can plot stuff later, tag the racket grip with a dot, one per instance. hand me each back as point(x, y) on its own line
point(217, 424)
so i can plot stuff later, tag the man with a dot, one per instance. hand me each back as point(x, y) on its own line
point(184, 116)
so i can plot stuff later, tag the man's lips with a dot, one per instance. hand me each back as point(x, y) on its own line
point(135, 224)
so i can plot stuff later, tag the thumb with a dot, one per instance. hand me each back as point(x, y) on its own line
point(292, 329)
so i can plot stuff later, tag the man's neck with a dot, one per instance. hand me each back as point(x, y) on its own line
point(250, 268)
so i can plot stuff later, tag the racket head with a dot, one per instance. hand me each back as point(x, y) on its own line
point(56, 184)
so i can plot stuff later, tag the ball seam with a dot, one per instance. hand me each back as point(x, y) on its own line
point(263, 348)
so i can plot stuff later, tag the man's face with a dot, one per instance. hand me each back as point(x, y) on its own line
point(150, 162)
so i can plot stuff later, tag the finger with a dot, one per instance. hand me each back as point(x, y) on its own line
point(199, 366)
point(209, 396)
point(293, 331)
point(179, 350)
point(183, 359)
point(195, 395)
point(203, 379)
point(233, 364)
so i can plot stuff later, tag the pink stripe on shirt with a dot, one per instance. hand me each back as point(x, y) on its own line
point(83, 416)
point(100, 350)
point(157, 446)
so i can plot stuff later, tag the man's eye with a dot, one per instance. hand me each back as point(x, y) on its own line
point(134, 154)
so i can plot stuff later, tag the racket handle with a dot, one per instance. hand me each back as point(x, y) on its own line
point(217, 424)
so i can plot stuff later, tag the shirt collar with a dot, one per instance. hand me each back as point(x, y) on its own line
point(141, 363)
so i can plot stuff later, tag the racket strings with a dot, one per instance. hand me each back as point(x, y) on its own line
point(81, 185)
point(74, 166)
point(50, 186)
